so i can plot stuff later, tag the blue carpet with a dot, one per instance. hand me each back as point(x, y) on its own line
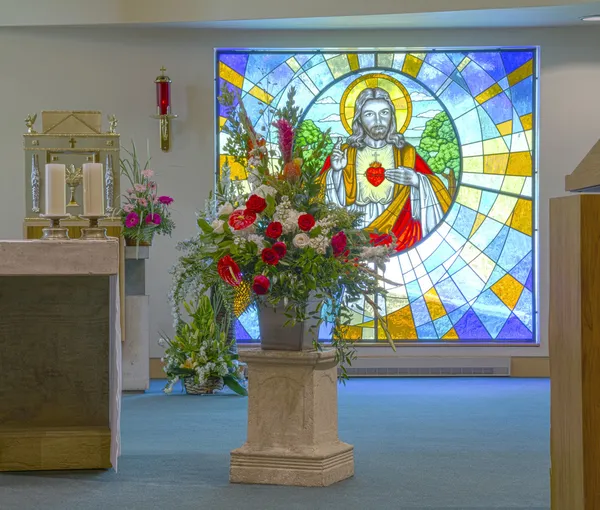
point(435, 444)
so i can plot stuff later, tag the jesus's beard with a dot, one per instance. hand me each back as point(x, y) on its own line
point(378, 132)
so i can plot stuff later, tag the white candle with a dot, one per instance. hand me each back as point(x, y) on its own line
point(55, 194)
point(93, 189)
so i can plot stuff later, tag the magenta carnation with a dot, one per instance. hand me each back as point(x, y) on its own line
point(165, 200)
point(132, 220)
point(153, 218)
point(285, 133)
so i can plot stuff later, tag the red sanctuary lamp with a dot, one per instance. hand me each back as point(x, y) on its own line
point(163, 109)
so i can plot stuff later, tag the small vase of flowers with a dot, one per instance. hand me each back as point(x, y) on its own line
point(145, 213)
point(200, 354)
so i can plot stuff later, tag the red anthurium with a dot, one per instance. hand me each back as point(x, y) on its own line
point(229, 271)
point(241, 219)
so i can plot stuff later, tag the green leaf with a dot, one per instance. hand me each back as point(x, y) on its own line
point(203, 224)
point(233, 384)
point(315, 232)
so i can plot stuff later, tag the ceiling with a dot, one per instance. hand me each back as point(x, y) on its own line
point(298, 15)
point(489, 18)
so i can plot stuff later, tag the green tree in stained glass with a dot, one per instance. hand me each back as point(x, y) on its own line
point(439, 148)
point(309, 137)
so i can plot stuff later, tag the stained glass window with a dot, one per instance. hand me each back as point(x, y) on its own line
point(463, 121)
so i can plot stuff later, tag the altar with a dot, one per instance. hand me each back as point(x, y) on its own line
point(60, 355)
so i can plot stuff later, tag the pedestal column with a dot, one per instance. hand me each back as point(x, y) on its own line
point(136, 348)
point(292, 421)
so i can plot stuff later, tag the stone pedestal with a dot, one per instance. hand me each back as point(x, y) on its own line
point(292, 421)
point(136, 348)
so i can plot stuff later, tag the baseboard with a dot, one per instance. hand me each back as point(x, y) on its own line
point(530, 366)
point(521, 366)
point(156, 369)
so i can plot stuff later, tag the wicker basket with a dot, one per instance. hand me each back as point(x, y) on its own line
point(208, 387)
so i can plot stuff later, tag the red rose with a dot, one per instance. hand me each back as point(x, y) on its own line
point(269, 256)
point(229, 271)
point(338, 243)
point(306, 222)
point(261, 285)
point(280, 249)
point(256, 204)
point(241, 219)
point(381, 239)
point(274, 230)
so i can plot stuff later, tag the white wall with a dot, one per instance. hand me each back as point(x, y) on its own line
point(112, 70)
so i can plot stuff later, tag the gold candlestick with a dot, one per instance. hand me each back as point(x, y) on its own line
point(93, 232)
point(54, 232)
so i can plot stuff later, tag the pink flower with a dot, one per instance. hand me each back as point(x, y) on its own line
point(129, 191)
point(152, 185)
point(128, 208)
point(165, 200)
point(132, 220)
point(143, 202)
point(153, 218)
point(147, 173)
point(285, 133)
point(140, 188)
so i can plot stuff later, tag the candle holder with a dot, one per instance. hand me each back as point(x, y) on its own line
point(93, 232)
point(163, 109)
point(55, 232)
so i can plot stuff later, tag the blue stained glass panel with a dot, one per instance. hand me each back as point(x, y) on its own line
point(466, 95)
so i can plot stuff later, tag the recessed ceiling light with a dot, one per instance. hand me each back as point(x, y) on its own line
point(595, 17)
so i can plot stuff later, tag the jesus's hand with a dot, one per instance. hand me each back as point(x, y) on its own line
point(403, 175)
point(339, 158)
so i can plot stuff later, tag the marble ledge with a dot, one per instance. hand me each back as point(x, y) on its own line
point(61, 258)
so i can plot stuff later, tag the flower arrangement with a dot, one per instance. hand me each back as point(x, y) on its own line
point(200, 350)
point(145, 213)
point(274, 241)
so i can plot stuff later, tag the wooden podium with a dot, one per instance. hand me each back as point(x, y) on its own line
point(574, 338)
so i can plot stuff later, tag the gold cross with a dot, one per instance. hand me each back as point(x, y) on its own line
point(72, 141)
point(162, 70)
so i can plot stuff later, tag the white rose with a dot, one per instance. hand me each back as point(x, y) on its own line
point(226, 209)
point(264, 191)
point(301, 240)
point(217, 226)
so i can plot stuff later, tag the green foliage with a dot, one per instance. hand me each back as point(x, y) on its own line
point(200, 348)
point(439, 146)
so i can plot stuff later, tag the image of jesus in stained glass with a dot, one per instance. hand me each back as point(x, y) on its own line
point(376, 171)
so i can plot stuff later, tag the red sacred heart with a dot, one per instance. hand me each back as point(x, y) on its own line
point(376, 174)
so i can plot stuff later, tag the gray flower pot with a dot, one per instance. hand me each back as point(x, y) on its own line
point(275, 337)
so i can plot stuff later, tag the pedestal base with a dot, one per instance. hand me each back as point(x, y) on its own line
point(316, 468)
point(292, 422)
